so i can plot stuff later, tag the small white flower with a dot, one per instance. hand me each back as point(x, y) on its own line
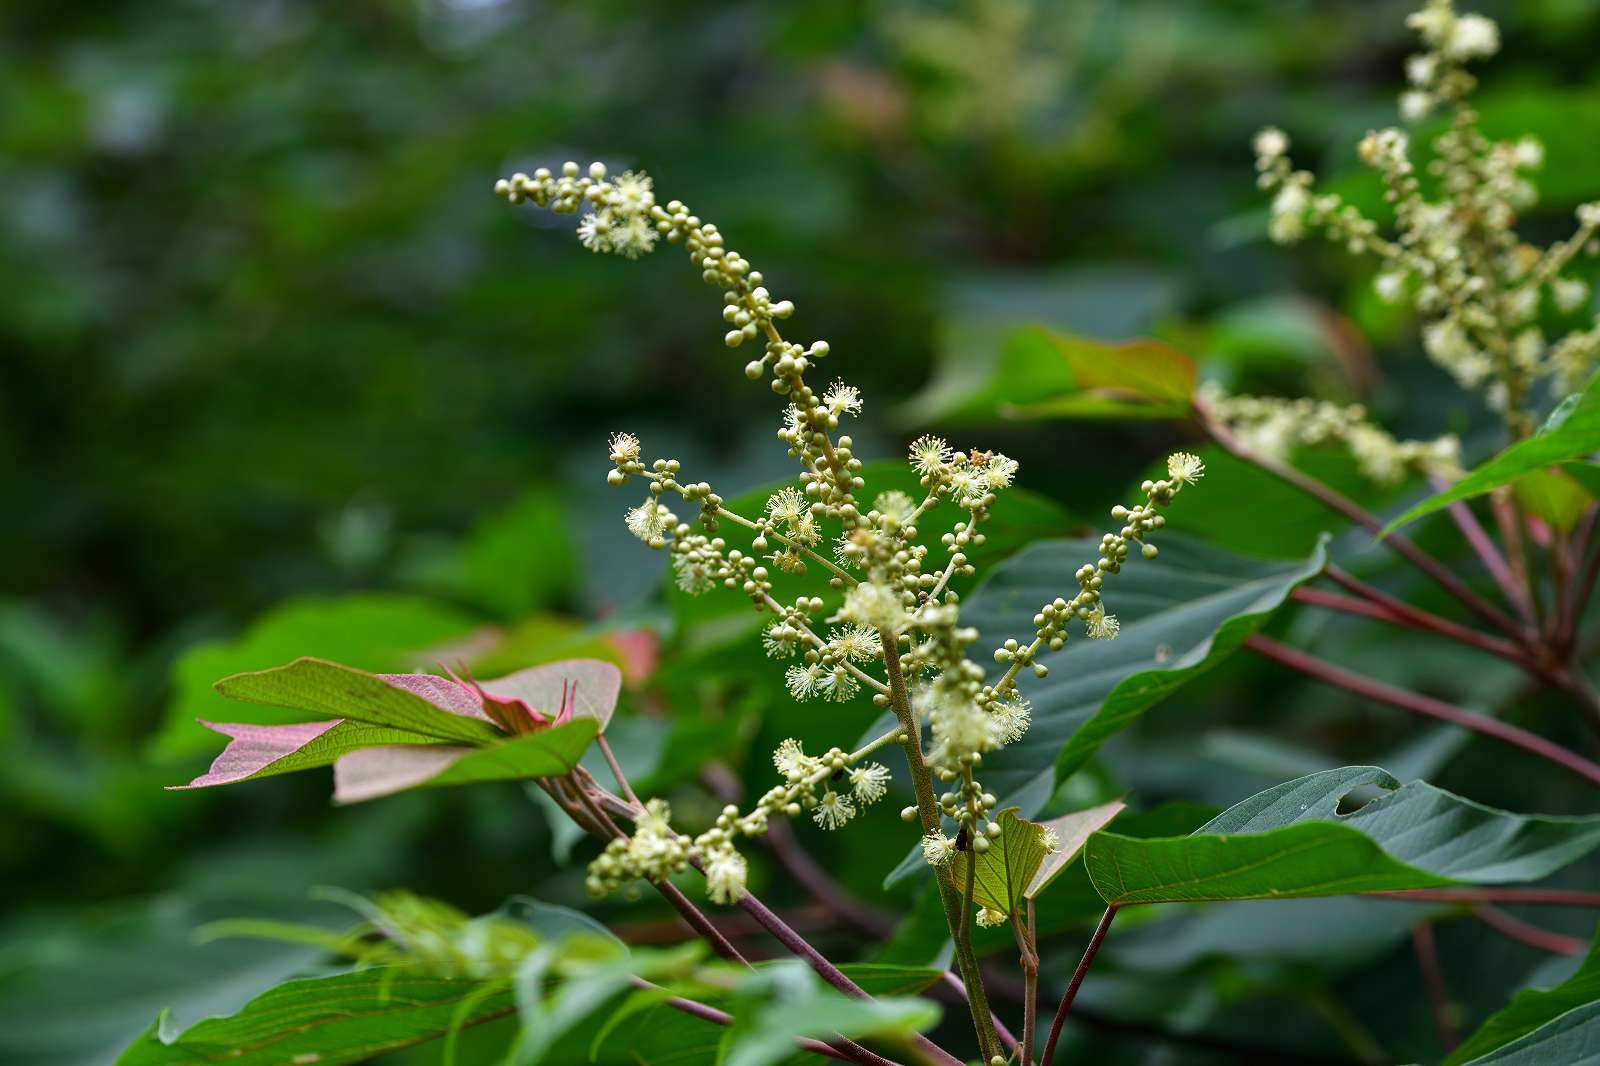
point(633, 193)
point(968, 485)
point(791, 759)
point(857, 642)
point(1390, 286)
point(725, 876)
point(896, 505)
point(1102, 626)
point(633, 237)
point(787, 505)
point(988, 918)
point(595, 231)
point(1011, 717)
point(938, 849)
point(1569, 293)
point(1271, 143)
point(1528, 153)
point(804, 681)
point(842, 399)
point(648, 521)
point(930, 455)
point(624, 448)
point(1050, 840)
point(1000, 471)
point(1184, 467)
point(1420, 69)
point(833, 811)
point(878, 606)
point(838, 684)
point(1416, 105)
point(696, 572)
point(1472, 37)
point(1288, 210)
point(869, 783)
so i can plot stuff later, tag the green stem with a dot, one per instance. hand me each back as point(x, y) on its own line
point(928, 810)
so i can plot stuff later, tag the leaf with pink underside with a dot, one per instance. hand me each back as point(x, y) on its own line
point(382, 771)
point(332, 690)
point(264, 750)
point(591, 686)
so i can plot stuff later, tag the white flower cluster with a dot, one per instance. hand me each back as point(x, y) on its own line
point(896, 633)
point(1274, 427)
point(1457, 259)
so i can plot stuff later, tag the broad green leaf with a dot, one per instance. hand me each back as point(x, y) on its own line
point(1295, 861)
point(1572, 432)
point(1573, 1039)
point(1290, 841)
point(1533, 1008)
point(1182, 613)
point(371, 632)
point(992, 354)
point(1553, 496)
point(333, 690)
point(1002, 874)
point(374, 772)
point(787, 1000)
point(1135, 379)
point(1586, 474)
point(1072, 833)
point(330, 1021)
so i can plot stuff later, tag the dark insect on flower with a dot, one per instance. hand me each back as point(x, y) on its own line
point(962, 839)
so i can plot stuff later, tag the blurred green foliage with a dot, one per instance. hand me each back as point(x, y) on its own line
point(281, 377)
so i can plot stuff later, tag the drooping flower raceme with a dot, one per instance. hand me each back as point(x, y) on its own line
point(893, 633)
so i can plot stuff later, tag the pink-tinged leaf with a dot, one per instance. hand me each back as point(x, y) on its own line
point(443, 692)
point(263, 750)
point(331, 690)
point(1072, 833)
point(374, 772)
point(591, 687)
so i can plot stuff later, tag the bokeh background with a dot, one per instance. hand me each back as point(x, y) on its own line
point(278, 374)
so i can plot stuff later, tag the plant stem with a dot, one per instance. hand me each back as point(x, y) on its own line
point(616, 769)
point(1495, 563)
point(1426, 706)
point(1027, 943)
point(1370, 522)
point(1427, 952)
point(1427, 620)
point(1555, 897)
point(706, 1012)
point(1010, 1042)
point(1527, 933)
point(1077, 980)
point(928, 810)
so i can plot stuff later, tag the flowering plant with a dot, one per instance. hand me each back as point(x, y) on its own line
point(880, 641)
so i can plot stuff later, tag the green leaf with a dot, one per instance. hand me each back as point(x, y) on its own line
point(1572, 432)
point(786, 1000)
point(1573, 1039)
point(1290, 841)
point(1553, 496)
point(331, 1021)
point(374, 772)
point(377, 633)
point(1004, 872)
point(1533, 1008)
point(1072, 833)
point(1182, 613)
point(1136, 379)
point(333, 690)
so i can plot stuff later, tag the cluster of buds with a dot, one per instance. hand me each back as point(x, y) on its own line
point(1274, 427)
point(897, 632)
point(1457, 259)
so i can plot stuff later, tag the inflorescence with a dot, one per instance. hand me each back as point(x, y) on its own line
point(897, 633)
point(1456, 257)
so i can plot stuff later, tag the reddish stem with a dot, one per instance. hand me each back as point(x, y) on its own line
point(1527, 933)
point(1405, 614)
point(1427, 952)
point(1425, 706)
point(1494, 562)
point(1077, 980)
point(1370, 522)
point(706, 1012)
